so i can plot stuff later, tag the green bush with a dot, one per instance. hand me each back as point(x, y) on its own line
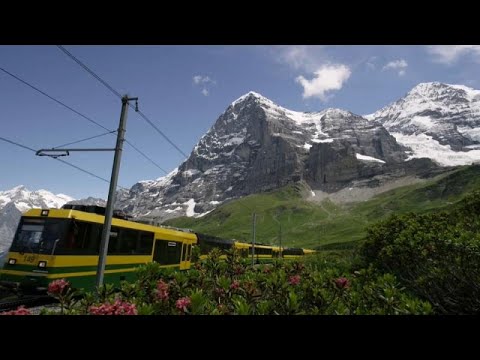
point(436, 255)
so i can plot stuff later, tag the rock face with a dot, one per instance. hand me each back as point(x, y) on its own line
point(15, 201)
point(9, 218)
point(256, 145)
point(436, 120)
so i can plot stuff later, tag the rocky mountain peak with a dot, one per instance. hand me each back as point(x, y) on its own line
point(257, 145)
point(436, 120)
point(19, 199)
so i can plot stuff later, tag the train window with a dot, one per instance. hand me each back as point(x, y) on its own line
point(38, 236)
point(113, 241)
point(81, 238)
point(127, 241)
point(145, 244)
point(68, 244)
point(93, 238)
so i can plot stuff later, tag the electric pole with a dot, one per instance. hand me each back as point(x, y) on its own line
point(253, 237)
point(280, 239)
point(111, 193)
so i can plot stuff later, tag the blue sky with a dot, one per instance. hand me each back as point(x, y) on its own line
point(183, 90)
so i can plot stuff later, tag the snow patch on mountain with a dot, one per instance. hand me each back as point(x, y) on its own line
point(368, 158)
point(424, 146)
point(190, 207)
point(436, 120)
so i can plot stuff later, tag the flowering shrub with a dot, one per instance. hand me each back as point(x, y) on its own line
point(162, 290)
point(315, 286)
point(61, 290)
point(436, 256)
point(21, 310)
point(117, 308)
point(183, 304)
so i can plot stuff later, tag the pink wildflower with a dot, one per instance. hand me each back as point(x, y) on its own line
point(162, 290)
point(235, 284)
point(294, 280)
point(183, 303)
point(117, 308)
point(342, 283)
point(21, 310)
point(57, 287)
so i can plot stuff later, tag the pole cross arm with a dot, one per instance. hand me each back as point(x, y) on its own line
point(65, 152)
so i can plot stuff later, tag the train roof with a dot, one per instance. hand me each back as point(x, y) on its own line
point(97, 218)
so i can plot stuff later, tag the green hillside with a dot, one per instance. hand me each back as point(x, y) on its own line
point(326, 225)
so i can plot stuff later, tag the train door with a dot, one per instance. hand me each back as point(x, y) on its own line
point(167, 252)
point(186, 256)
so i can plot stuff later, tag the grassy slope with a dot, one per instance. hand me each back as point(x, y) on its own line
point(310, 225)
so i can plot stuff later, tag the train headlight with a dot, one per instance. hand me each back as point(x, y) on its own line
point(12, 261)
point(42, 264)
point(44, 213)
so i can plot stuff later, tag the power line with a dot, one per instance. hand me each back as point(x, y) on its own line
point(15, 143)
point(62, 161)
point(161, 133)
point(86, 68)
point(91, 72)
point(129, 143)
point(89, 138)
point(80, 114)
point(85, 171)
point(145, 156)
point(52, 98)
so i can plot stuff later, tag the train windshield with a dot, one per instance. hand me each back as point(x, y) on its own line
point(39, 236)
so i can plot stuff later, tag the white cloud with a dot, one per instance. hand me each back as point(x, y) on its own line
point(300, 57)
point(295, 56)
point(326, 78)
point(200, 79)
point(399, 65)
point(448, 54)
point(205, 81)
point(371, 63)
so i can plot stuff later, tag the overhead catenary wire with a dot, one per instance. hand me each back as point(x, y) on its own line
point(91, 72)
point(161, 133)
point(87, 69)
point(86, 139)
point(82, 115)
point(62, 161)
point(52, 98)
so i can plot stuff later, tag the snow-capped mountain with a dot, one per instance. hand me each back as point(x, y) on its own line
point(89, 201)
point(257, 145)
point(15, 201)
point(438, 121)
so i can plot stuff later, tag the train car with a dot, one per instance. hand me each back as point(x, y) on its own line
point(51, 244)
point(262, 251)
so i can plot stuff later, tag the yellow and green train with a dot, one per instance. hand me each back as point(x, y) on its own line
point(52, 244)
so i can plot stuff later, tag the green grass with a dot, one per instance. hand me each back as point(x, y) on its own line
point(326, 225)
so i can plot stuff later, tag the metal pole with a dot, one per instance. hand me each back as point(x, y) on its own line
point(111, 193)
point(280, 238)
point(253, 238)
